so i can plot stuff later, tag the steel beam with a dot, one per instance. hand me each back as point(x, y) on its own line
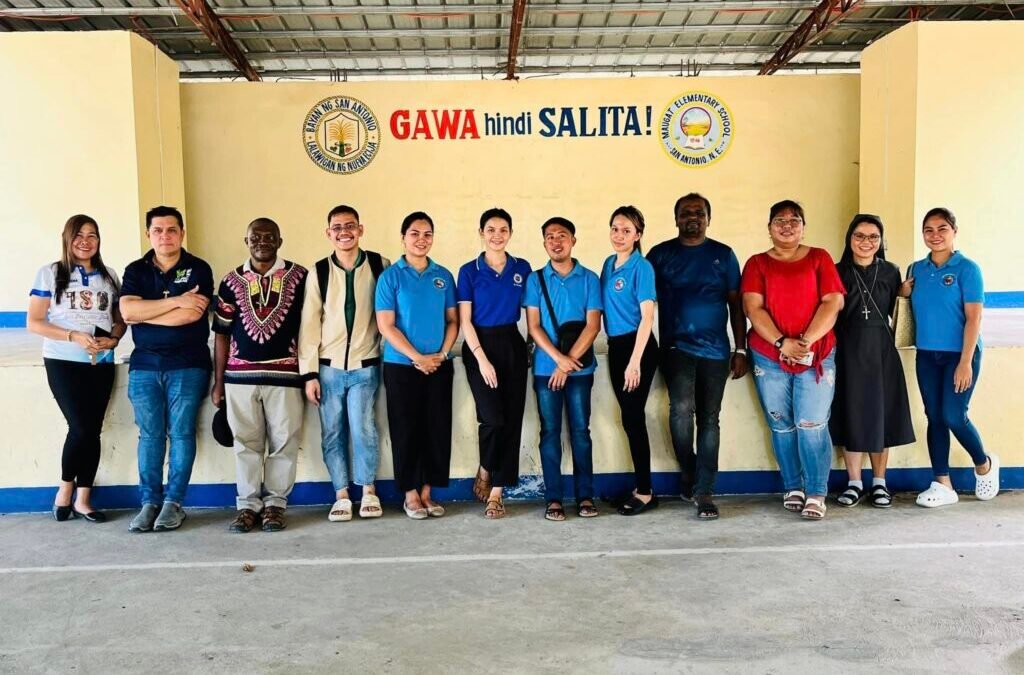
point(822, 19)
point(515, 36)
point(203, 16)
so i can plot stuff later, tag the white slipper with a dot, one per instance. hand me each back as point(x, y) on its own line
point(937, 494)
point(415, 514)
point(987, 487)
point(435, 511)
point(341, 511)
point(370, 502)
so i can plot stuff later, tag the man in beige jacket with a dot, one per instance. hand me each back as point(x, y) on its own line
point(339, 358)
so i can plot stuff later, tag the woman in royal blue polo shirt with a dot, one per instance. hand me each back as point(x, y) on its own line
point(416, 315)
point(947, 292)
point(628, 294)
point(73, 306)
point(490, 295)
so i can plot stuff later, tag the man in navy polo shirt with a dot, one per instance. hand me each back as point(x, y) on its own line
point(698, 281)
point(564, 379)
point(165, 297)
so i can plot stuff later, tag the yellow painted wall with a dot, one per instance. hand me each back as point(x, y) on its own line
point(888, 138)
point(78, 132)
point(971, 141)
point(795, 137)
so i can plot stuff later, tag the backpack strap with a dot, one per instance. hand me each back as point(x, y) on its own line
point(323, 275)
point(547, 299)
point(376, 263)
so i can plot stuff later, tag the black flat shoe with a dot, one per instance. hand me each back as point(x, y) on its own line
point(62, 513)
point(93, 516)
point(634, 506)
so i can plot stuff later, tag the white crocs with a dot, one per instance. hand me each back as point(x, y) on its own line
point(987, 487)
point(937, 494)
point(341, 512)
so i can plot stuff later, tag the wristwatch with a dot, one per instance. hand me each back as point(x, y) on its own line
point(778, 343)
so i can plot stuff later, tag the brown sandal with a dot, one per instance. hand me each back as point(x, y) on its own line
point(495, 509)
point(481, 486)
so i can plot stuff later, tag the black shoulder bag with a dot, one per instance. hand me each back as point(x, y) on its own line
point(569, 332)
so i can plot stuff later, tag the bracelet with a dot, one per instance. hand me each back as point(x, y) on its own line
point(740, 350)
point(69, 335)
point(473, 350)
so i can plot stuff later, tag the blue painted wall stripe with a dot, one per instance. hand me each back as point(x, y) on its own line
point(13, 319)
point(222, 495)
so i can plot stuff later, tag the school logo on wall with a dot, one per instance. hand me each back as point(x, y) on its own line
point(341, 135)
point(696, 129)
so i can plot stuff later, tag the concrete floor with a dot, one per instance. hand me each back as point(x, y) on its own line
point(759, 591)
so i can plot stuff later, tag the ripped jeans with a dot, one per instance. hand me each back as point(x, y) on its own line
point(797, 408)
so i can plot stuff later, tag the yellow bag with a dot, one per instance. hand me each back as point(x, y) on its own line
point(904, 328)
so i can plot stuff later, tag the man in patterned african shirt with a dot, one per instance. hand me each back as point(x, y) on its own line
point(256, 371)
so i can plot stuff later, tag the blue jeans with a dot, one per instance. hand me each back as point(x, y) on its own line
point(575, 398)
point(346, 405)
point(166, 403)
point(945, 409)
point(797, 408)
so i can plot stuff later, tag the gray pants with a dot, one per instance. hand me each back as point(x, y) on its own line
point(264, 419)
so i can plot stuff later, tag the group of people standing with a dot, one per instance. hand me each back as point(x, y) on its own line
point(821, 351)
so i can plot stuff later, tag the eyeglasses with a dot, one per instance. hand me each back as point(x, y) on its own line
point(261, 238)
point(873, 238)
point(792, 222)
point(347, 227)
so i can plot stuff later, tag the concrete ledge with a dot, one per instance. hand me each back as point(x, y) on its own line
point(606, 485)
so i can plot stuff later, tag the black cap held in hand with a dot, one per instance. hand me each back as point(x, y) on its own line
point(221, 429)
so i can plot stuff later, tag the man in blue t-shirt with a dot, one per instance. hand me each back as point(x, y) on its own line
point(165, 297)
point(560, 293)
point(698, 281)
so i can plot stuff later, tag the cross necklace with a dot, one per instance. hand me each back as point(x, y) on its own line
point(866, 292)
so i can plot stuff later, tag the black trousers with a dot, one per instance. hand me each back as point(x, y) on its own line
point(633, 403)
point(499, 411)
point(82, 392)
point(420, 423)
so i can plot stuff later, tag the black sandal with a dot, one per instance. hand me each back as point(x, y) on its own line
point(851, 496)
point(706, 509)
point(554, 512)
point(881, 498)
point(585, 508)
point(634, 506)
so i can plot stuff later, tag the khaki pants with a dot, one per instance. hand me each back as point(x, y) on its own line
point(264, 419)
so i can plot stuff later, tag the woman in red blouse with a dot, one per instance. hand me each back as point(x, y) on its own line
point(792, 294)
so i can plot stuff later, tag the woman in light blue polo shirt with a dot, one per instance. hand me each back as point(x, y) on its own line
point(415, 305)
point(73, 306)
point(490, 293)
point(628, 294)
point(947, 293)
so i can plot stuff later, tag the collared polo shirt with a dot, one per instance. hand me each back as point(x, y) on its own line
point(170, 347)
point(86, 304)
point(693, 284)
point(572, 297)
point(497, 298)
point(419, 301)
point(622, 291)
point(938, 299)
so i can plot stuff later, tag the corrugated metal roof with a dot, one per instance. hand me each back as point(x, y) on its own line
point(378, 39)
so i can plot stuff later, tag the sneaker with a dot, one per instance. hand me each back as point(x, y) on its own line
point(937, 494)
point(273, 519)
point(244, 521)
point(987, 487)
point(171, 517)
point(143, 521)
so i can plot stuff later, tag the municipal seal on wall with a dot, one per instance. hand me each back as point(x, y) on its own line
point(341, 134)
point(696, 129)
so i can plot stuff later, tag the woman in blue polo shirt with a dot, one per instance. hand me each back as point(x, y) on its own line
point(490, 295)
point(947, 292)
point(73, 305)
point(628, 294)
point(416, 315)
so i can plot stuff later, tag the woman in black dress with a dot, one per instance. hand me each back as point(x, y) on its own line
point(870, 411)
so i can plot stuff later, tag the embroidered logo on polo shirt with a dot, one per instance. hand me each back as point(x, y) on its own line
point(439, 282)
point(948, 280)
point(619, 284)
point(182, 276)
point(517, 278)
